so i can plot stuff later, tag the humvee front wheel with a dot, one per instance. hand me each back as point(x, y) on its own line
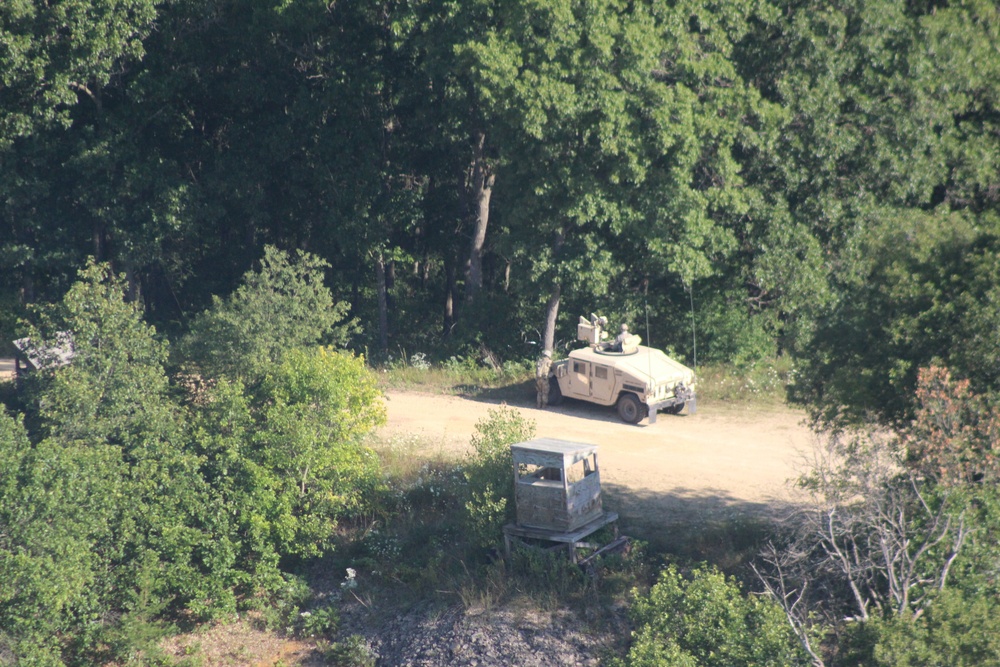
point(630, 409)
point(555, 393)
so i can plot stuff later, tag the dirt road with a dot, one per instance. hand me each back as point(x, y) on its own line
point(721, 462)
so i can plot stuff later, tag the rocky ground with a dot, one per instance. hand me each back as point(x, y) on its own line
point(510, 635)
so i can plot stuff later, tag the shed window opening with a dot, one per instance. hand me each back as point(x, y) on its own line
point(581, 469)
point(528, 473)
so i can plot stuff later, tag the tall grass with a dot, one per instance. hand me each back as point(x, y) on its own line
point(764, 384)
point(455, 375)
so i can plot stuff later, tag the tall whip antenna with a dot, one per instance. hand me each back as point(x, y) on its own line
point(649, 339)
point(694, 339)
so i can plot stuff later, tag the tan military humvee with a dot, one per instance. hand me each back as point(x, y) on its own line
point(638, 380)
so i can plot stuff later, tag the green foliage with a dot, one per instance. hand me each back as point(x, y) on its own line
point(731, 333)
point(114, 511)
point(282, 611)
point(490, 473)
point(702, 619)
point(115, 388)
point(925, 293)
point(352, 651)
point(109, 522)
point(10, 312)
point(51, 52)
point(288, 459)
point(277, 308)
point(319, 622)
point(958, 630)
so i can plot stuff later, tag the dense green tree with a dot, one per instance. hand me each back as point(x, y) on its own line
point(287, 459)
point(115, 388)
point(702, 619)
point(54, 526)
point(927, 295)
point(53, 52)
point(888, 127)
point(61, 64)
point(317, 405)
point(611, 138)
point(278, 307)
point(110, 519)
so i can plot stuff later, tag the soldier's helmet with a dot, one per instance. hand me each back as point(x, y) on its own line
point(624, 328)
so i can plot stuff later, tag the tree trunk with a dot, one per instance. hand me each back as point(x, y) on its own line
point(98, 239)
point(449, 297)
point(482, 189)
point(383, 308)
point(551, 313)
point(134, 290)
point(390, 286)
point(552, 305)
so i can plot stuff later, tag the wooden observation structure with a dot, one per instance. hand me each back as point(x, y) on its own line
point(557, 493)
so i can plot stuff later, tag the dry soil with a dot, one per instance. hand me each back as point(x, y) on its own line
point(721, 462)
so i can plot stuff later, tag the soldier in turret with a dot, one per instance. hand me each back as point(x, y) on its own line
point(621, 338)
point(542, 378)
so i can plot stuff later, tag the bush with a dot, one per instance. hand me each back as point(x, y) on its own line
point(956, 630)
point(489, 473)
point(319, 622)
point(353, 651)
point(702, 619)
point(282, 306)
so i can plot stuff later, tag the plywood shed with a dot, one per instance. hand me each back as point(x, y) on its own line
point(557, 484)
point(557, 493)
point(30, 355)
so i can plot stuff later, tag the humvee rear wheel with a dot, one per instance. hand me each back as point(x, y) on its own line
point(674, 409)
point(629, 408)
point(555, 393)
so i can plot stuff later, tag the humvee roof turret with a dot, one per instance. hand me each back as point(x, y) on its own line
point(638, 380)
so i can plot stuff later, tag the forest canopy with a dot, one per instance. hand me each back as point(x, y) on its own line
point(812, 179)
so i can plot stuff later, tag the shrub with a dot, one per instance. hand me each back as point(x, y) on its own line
point(281, 306)
point(352, 651)
point(956, 630)
point(703, 619)
point(319, 622)
point(489, 473)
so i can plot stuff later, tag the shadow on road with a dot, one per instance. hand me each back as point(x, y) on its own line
point(698, 524)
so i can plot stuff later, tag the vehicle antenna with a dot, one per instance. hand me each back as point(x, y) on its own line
point(649, 339)
point(694, 339)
